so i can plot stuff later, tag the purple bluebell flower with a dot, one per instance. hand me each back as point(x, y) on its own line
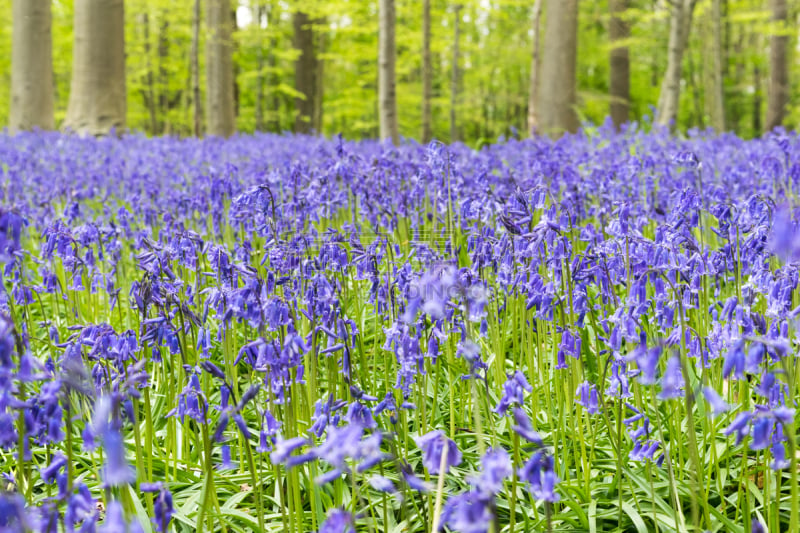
point(433, 445)
point(284, 448)
point(382, 484)
point(587, 397)
point(162, 504)
point(496, 467)
point(734, 361)
point(539, 472)
point(524, 428)
point(513, 392)
point(338, 521)
point(117, 471)
point(762, 431)
point(718, 405)
point(50, 471)
point(191, 402)
point(672, 381)
point(739, 426)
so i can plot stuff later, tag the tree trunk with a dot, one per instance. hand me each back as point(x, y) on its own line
point(97, 91)
point(195, 53)
point(778, 96)
point(319, 86)
point(236, 93)
point(756, 43)
point(165, 100)
point(31, 66)
point(619, 83)
point(427, 73)
point(258, 8)
point(387, 98)
point(454, 80)
point(680, 26)
point(304, 70)
point(219, 69)
point(557, 89)
point(533, 91)
point(717, 93)
point(149, 78)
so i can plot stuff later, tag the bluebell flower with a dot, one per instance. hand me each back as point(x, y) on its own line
point(162, 504)
point(468, 513)
point(433, 445)
point(49, 472)
point(284, 448)
point(672, 381)
point(414, 482)
point(539, 473)
point(513, 392)
point(718, 405)
point(116, 472)
point(338, 521)
point(734, 361)
point(382, 484)
point(762, 431)
point(524, 428)
point(587, 397)
point(114, 521)
point(739, 426)
point(191, 402)
point(496, 467)
point(13, 515)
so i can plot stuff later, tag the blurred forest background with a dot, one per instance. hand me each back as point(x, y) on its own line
point(314, 66)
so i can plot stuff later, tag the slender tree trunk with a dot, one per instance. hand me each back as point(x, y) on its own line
point(195, 53)
point(274, 111)
point(319, 86)
point(387, 54)
point(619, 83)
point(778, 66)
point(533, 111)
point(273, 103)
point(757, 95)
point(695, 90)
point(557, 87)
point(31, 66)
point(149, 78)
point(737, 102)
point(165, 102)
point(234, 29)
point(717, 93)
point(97, 92)
point(304, 69)
point(219, 69)
point(427, 73)
point(455, 75)
point(258, 9)
point(680, 25)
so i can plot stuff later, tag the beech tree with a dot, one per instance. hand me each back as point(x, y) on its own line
point(619, 74)
point(557, 87)
point(427, 73)
point(533, 90)
point(680, 26)
point(305, 67)
point(454, 81)
point(387, 55)
point(219, 70)
point(31, 66)
point(97, 97)
point(778, 95)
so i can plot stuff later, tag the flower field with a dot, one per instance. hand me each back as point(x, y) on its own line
point(298, 334)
